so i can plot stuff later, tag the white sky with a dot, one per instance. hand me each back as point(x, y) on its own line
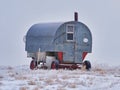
point(101, 16)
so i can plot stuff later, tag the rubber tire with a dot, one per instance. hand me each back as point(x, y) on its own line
point(55, 65)
point(87, 64)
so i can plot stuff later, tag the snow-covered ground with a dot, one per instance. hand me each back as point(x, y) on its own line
point(100, 77)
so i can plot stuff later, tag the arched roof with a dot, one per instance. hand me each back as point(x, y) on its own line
point(43, 29)
point(41, 36)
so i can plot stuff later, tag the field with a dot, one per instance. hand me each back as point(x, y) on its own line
point(100, 77)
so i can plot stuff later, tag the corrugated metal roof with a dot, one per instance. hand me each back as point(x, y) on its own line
point(43, 29)
point(41, 35)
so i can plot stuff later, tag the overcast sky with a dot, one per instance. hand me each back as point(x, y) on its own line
point(101, 16)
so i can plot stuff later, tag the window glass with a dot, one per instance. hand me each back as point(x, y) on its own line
point(69, 36)
point(70, 29)
point(70, 32)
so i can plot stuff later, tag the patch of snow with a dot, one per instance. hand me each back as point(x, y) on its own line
point(100, 77)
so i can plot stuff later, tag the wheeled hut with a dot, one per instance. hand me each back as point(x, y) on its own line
point(59, 45)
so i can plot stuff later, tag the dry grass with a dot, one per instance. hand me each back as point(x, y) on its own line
point(58, 81)
point(99, 70)
point(102, 72)
point(41, 79)
point(36, 88)
point(23, 88)
point(31, 82)
point(72, 85)
point(21, 77)
point(65, 77)
point(61, 88)
point(49, 81)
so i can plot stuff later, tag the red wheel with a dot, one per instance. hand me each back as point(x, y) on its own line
point(32, 64)
point(53, 65)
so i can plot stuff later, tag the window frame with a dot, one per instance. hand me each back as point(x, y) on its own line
point(70, 32)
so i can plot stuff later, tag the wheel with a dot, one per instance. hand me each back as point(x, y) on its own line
point(33, 64)
point(55, 64)
point(87, 65)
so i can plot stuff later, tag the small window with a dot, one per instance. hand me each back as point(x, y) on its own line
point(70, 32)
point(70, 29)
point(69, 36)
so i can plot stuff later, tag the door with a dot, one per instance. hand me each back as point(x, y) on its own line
point(68, 54)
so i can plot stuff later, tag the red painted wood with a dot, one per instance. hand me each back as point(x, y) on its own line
point(84, 55)
point(60, 56)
